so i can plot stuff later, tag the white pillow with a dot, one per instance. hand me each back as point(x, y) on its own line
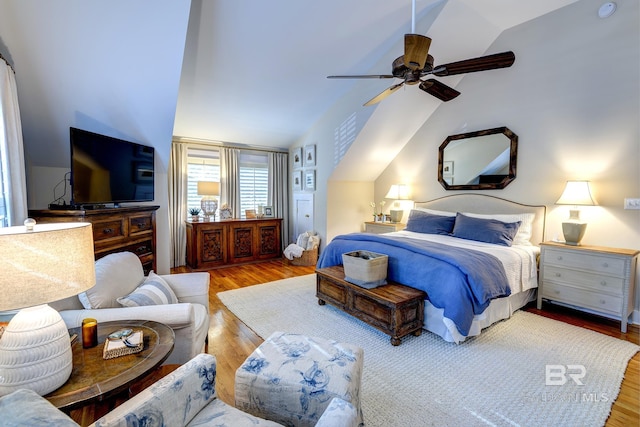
point(154, 291)
point(523, 236)
point(435, 212)
point(117, 274)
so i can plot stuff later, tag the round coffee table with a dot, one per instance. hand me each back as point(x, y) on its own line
point(94, 379)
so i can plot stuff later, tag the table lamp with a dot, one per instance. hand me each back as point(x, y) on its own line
point(40, 264)
point(397, 192)
point(576, 193)
point(209, 203)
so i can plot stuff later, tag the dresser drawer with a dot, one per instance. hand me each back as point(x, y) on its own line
point(140, 224)
point(582, 279)
point(103, 230)
point(585, 261)
point(597, 301)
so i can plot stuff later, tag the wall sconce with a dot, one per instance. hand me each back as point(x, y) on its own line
point(576, 193)
point(397, 192)
point(209, 203)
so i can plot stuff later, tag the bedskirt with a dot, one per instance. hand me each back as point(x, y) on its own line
point(499, 309)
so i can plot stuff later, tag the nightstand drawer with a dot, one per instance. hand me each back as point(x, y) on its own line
point(594, 300)
point(586, 280)
point(583, 261)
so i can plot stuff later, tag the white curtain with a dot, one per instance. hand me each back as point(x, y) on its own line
point(12, 149)
point(279, 191)
point(178, 203)
point(230, 179)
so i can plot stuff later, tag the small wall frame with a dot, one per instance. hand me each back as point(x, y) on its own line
point(309, 155)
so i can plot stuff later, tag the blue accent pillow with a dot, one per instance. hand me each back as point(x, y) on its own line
point(423, 222)
point(485, 230)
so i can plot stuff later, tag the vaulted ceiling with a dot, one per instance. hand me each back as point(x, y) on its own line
point(255, 72)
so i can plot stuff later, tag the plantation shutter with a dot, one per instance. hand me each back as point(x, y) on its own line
point(254, 180)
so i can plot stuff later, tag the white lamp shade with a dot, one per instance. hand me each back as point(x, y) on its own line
point(577, 193)
point(49, 263)
point(398, 192)
point(208, 188)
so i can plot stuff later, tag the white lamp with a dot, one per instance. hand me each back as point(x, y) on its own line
point(576, 193)
point(209, 203)
point(40, 264)
point(397, 192)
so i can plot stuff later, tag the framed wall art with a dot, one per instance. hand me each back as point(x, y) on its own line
point(310, 180)
point(309, 155)
point(296, 178)
point(297, 157)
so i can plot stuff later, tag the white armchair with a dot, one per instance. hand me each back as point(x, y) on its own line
point(120, 274)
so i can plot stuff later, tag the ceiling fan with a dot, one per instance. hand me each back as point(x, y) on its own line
point(416, 63)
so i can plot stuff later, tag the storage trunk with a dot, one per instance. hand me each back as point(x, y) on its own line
point(364, 268)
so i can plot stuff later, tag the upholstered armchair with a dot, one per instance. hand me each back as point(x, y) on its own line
point(122, 292)
point(186, 397)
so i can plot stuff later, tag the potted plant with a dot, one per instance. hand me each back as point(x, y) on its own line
point(194, 213)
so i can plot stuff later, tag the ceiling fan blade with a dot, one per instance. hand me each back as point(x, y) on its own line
point(382, 95)
point(439, 90)
point(363, 76)
point(416, 49)
point(483, 63)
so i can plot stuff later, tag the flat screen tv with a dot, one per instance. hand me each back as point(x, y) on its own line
point(108, 170)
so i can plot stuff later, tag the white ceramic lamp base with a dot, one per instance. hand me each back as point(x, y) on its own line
point(35, 351)
point(396, 215)
point(573, 232)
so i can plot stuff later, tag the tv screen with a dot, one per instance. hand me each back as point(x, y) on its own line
point(109, 170)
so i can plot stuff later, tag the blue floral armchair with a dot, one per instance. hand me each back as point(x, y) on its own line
point(186, 397)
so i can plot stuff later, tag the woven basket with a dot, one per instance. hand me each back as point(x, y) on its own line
point(309, 257)
point(364, 268)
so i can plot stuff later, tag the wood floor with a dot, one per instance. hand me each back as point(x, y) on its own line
point(232, 342)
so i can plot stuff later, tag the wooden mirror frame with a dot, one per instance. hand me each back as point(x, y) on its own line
point(513, 138)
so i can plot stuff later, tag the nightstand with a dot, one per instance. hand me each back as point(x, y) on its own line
point(595, 279)
point(383, 227)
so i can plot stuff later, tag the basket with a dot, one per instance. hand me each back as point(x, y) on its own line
point(364, 268)
point(309, 257)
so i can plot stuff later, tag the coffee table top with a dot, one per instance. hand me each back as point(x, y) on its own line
point(95, 379)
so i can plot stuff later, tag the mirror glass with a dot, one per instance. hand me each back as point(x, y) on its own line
point(481, 160)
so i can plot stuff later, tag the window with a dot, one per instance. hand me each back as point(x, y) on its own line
point(254, 180)
point(202, 165)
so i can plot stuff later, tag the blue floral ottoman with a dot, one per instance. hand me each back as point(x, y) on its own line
point(292, 378)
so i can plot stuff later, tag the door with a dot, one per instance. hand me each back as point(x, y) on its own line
point(302, 214)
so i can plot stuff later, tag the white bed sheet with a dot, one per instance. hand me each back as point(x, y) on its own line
point(520, 265)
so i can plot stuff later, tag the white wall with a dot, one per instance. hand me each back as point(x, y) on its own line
point(573, 98)
point(109, 67)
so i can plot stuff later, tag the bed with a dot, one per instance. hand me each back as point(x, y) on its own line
point(498, 235)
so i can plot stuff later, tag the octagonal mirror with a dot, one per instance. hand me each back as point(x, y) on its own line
point(481, 160)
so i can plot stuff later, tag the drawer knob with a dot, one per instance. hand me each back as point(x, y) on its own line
point(559, 257)
point(603, 302)
point(557, 292)
point(605, 264)
point(603, 283)
point(558, 274)
point(107, 230)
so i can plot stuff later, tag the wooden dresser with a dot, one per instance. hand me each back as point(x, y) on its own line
point(596, 279)
point(131, 229)
point(213, 244)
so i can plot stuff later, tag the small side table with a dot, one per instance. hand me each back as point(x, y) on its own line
point(383, 227)
point(94, 379)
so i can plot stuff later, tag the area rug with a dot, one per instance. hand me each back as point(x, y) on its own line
point(526, 371)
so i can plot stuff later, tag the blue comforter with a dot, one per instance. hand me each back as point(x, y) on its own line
point(459, 280)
